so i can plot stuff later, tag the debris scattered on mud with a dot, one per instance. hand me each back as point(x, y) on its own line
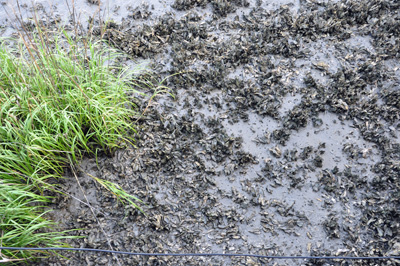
point(283, 138)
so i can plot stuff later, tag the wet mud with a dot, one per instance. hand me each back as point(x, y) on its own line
point(282, 139)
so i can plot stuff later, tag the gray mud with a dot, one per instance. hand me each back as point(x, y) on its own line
point(283, 138)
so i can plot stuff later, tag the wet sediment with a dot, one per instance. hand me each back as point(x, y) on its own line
point(282, 138)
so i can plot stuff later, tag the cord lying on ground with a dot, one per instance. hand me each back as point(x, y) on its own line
point(208, 254)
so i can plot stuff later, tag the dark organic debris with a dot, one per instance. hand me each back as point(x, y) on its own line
point(209, 184)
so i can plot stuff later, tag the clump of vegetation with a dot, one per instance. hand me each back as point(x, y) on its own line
point(61, 98)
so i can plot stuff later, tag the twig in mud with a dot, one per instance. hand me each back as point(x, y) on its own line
point(94, 214)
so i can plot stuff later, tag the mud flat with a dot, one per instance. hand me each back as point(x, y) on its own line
point(283, 138)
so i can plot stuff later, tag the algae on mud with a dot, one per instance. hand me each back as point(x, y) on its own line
point(203, 163)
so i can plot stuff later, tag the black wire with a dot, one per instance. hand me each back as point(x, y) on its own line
point(209, 254)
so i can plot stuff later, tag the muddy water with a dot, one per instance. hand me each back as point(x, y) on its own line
point(264, 150)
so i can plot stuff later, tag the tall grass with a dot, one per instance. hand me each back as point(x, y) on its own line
point(60, 98)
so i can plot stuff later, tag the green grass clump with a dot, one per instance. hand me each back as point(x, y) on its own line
point(59, 99)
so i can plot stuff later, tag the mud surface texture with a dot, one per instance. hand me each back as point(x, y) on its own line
point(283, 138)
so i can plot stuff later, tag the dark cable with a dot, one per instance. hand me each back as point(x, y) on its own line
point(208, 254)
